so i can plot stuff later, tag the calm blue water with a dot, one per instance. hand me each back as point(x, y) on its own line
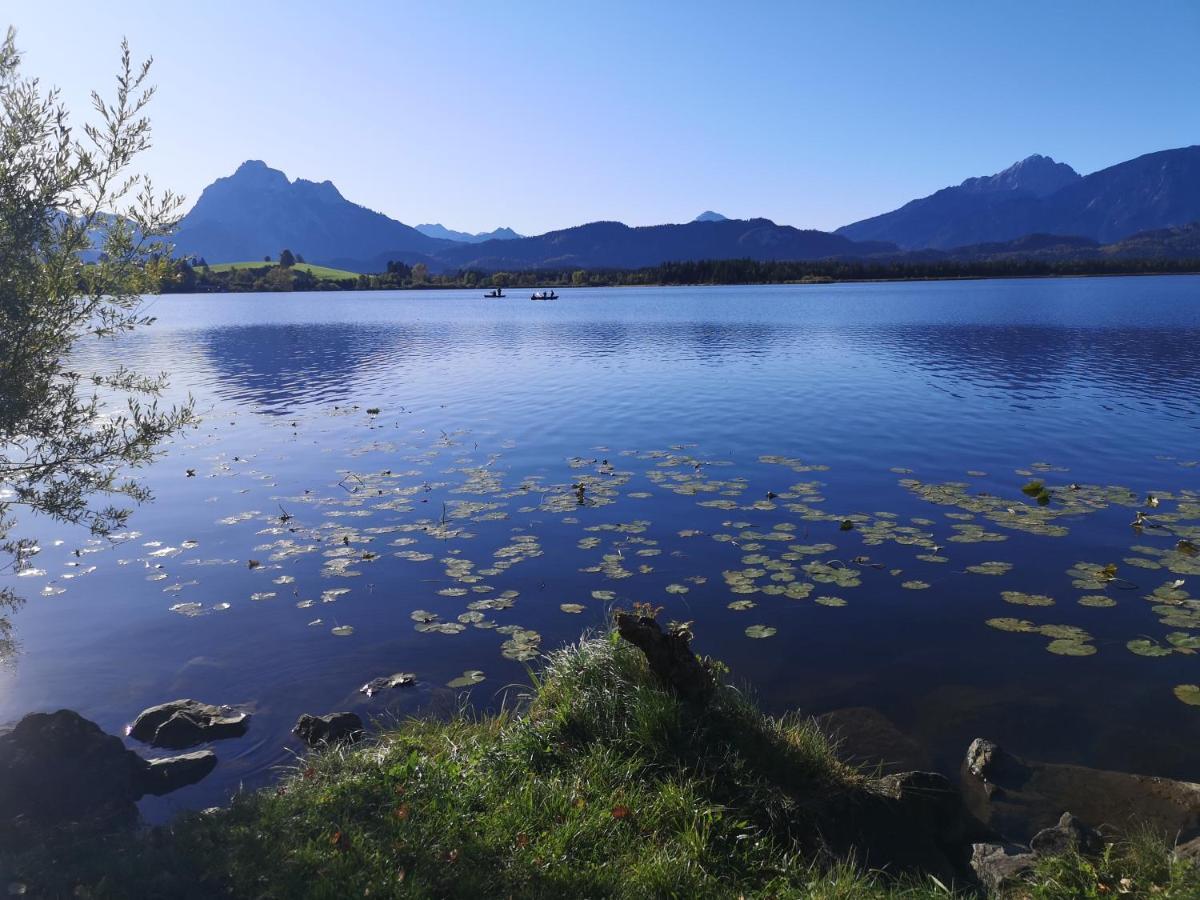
point(483, 405)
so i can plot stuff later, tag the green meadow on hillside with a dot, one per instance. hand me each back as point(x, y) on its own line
point(324, 272)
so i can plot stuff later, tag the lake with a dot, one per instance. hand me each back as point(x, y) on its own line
point(827, 481)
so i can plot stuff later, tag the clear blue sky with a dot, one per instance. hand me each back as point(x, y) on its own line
point(544, 115)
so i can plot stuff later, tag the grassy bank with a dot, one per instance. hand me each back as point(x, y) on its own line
point(605, 785)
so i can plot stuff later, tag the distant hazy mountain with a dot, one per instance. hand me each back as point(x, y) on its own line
point(1038, 195)
point(257, 212)
point(463, 237)
point(615, 245)
point(709, 216)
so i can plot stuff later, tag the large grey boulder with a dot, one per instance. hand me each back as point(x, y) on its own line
point(185, 723)
point(1019, 797)
point(59, 769)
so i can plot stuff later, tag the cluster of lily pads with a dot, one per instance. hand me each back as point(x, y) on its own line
point(764, 541)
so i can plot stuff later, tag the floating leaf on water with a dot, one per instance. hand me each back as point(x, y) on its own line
point(573, 608)
point(343, 630)
point(1181, 640)
point(1065, 647)
point(1188, 693)
point(1146, 647)
point(466, 679)
point(1022, 599)
point(676, 589)
point(1005, 623)
point(742, 605)
point(603, 595)
point(187, 609)
point(1098, 601)
point(423, 615)
point(830, 601)
point(262, 595)
point(990, 568)
point(1066, 632)
point(760, 631)
point(914, 585)
point(221, 607)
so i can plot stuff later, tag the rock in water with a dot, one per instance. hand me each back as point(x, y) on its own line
point(61, 770)
point(172, 772)
point(185, 723)
point(331, 729)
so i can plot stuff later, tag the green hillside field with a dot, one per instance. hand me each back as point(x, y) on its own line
point(316, 271)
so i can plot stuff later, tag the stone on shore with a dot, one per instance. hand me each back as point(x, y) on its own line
point(1000, 866)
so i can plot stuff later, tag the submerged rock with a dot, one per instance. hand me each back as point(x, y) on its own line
point(185, 723)
point(1020, 798)
point(867, 738)
point(334, 728)
point(60, 769)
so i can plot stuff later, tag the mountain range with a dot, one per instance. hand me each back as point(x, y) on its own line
point(449, 234)
point(1036, 206)
point(1039, 195)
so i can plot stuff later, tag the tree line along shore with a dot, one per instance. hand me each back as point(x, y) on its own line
point(188, 277)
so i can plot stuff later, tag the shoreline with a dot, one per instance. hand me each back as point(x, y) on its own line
point(516, 292)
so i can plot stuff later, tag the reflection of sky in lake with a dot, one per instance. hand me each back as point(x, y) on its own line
point(1100, 376)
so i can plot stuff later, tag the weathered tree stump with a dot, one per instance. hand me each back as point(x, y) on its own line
point(670, 656)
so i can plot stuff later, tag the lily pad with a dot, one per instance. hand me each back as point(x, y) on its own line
point(1020, 598)
point(1065, 647)
point(1188, 693)
point(760, 631)
point(466, 679)
point(1146, 647)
